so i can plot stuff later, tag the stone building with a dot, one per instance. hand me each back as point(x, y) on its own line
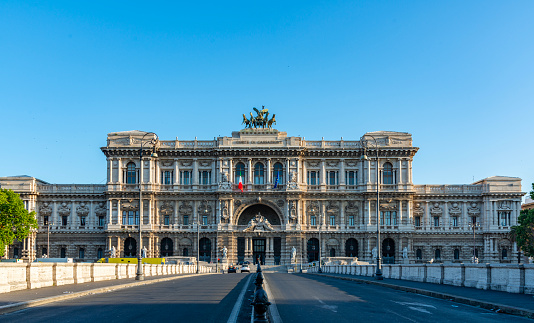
point(314, 196)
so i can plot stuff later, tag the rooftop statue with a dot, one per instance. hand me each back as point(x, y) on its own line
point(261, 120)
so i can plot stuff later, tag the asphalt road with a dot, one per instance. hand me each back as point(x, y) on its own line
point(209, 298)
point(310, 298)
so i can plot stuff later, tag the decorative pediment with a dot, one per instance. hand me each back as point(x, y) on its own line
point(351, 163)
point(130, 205)
point(101, 209)
point(351, 208)
point(45, 209)
point(186, 163)
point(204, 163)
point(204, 208)
point(167, 163)
point(185, 208)
point(418, 210)
point(259, 223)
point(455, 210)
point(64, 210)
point(332, 208)
point(166, 208)
point(473, 210)
point(436, 210)
point(332, 163)
point(504, 206)
point(312, 207)
point(82, 209)
point(313, 163)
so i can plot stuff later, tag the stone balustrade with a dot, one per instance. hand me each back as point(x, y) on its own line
point(18, 276)
point(502, 277)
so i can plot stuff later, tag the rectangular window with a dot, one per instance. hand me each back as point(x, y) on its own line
point(82, 221)
point(204, 177)
point(166, 177)
point(313, 220)
point(64, 220)
point(332, 220)
point(332, 177)
point(313, 177)
point(186, 219)
point(185, 177)
point(417, 221)
point(101, 220)
point(350, 177)
point(166, 220)
point(436, 221)
point(204, 220)
point(504, 218)
point(474, 220)
point(351, 220)
point(45, 220)
point(454, 221)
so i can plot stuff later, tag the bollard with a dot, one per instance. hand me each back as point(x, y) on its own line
point(261, 301)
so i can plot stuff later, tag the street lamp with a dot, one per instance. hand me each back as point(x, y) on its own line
point(364, 143)
point(198, 246)
point(474, 224)
point(320, 242)
point(139, 275)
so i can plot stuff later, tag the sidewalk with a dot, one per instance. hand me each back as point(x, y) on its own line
point(17, 300)
point(502, 302)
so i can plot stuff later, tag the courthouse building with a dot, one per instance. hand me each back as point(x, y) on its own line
point(315, 196)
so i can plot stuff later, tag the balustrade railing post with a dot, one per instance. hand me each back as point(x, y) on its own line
point(261, 301)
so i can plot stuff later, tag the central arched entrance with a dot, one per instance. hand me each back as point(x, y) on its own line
point(266, 211)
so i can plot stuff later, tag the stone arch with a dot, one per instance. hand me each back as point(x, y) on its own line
point(246, 211)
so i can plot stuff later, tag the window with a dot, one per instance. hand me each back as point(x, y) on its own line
point(44, 252)
point(474, 220)
point(504, 218)
point(166, 220)
point(204, 220)
point(389, 217)
point(278, 173)
point(332, 252)
point(454, 221)
point(505, 253)
point(82, 221)
point(313, 220)
point(456, 254)
point(63, 253)
point(258, 174)
point(417, 221)
point(130, 173)
point(313, 177)
point(186, 219)
point(185, 252)
point(101, 221)
point(64, 220)
point(15, 252)
point(350, 177)
point(81, 253)
point(332, 220)
point(204, 177)
point(351, 220)
point(388, 173)
point(476, 253)
point(332, 177)
point(437, 254)
point(239, 173)
point(45, 220)
point(185, 177)
point(419, 254)
point(130, 217)
point(100, 253)
point(166, 177)
point(436, 221)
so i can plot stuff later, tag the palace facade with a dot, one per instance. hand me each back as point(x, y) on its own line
point(315, 196)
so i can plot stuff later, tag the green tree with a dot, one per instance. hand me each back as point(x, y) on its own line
point(523, 233)
point(15, 221)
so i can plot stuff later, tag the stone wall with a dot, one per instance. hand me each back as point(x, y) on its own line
point(18, 276)
point(502, 277)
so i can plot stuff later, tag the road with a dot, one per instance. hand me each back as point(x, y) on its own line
point(298, 298)
point(311, 298)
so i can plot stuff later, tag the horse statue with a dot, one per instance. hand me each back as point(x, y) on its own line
point(270, 122)
point(246, 121)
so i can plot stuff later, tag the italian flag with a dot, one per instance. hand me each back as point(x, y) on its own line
point(240, 185)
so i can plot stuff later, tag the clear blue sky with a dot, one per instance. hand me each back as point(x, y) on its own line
point(458, 75)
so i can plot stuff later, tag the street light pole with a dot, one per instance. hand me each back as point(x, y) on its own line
point(198, 246)
point(320, 242)
point(474, 224)
point(139, 275)
point(378, 273)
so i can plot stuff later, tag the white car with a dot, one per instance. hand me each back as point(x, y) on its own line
point(245, 268)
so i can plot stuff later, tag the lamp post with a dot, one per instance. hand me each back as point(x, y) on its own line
point(474, 224)
point(139, 275)
point(198, 246)
point(378, 273)
point(320, 242)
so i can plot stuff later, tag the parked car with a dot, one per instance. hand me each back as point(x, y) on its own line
point(245, 267)
point(232, 269)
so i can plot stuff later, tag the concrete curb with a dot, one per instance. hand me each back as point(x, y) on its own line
point(496, 307)
point(37, 302)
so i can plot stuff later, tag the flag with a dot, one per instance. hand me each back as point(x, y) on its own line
point(240, 185)
point(276, 181)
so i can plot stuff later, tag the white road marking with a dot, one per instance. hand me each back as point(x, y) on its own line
point(332, 308)
point(237, 306)
point(415, 304)
point(422, 310)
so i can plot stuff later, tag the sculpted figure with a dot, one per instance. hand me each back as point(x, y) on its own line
point(374, 253)
point(225, 252)
point(405, 253)
point(112, 252)
point(293, 254)
point(143, 252)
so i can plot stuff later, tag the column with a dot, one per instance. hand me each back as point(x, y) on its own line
point(215, 176)
point(426, 217)
point(268, 173)
point(446, 219)
point(119, 213)
point(250, 171)
point(195, 171)
point(400, 218)
point(399, 175)
point(175, 179)
point(110, 212)
point(323, 173)
point(110, 167)
point(342, 216)
point(304, 173)
point(175, 216)
point(342, 173)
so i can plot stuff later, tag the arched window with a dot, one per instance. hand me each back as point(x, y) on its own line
point(505, 253)
point(100, 253)
point(166, 247)
point(388, 173)
point(130, 173)
point(259, 174)
point(351, 248)
point(437, 254)
point(278, 173)
point(332, 252)
point(81, 253)
point(456, 254)
point(239, 172)
point(419, 254)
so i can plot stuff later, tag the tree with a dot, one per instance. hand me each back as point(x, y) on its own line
point(523, 233)
point(15, 221)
